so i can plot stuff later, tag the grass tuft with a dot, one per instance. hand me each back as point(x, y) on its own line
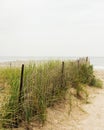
point(43, 86)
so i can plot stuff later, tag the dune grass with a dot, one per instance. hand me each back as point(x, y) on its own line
point(43, 86)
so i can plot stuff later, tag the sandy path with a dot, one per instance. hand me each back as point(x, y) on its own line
point(95, 118)
point(95, 110)
point(92, 119)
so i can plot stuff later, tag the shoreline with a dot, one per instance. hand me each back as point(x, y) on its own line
point(17, 63)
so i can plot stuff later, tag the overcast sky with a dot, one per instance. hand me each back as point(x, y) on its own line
point(51, 27)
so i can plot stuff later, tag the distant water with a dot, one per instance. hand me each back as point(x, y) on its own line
point(97, 62)
point(10, 59)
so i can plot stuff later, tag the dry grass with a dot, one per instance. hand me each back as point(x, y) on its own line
point(44, 86)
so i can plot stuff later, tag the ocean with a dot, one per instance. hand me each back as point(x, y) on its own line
point(97, 62)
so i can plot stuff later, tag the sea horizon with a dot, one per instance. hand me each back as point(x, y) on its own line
point(96, 61)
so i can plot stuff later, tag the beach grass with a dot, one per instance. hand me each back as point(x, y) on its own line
point(43, 85)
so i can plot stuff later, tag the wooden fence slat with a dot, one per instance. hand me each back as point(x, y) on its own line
point(62, 67)
point(78, 63)
point(21, 83)
point(86, 59)
point(62, 76)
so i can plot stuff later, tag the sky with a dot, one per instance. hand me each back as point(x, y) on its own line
point(51, 27)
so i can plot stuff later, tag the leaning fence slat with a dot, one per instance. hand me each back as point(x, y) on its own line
point(78, 63)
point(86, 59)
point(21, 84)
point(62, 76)
point(62, 68)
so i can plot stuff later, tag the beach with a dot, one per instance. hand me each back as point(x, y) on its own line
point(82, 116)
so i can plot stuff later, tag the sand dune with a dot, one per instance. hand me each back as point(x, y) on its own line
point(83, 116)
point(87, 117)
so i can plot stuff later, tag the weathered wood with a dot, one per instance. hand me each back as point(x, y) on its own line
point(62, 75)
point(62, 67)
point(21, 83)
point(78, 63)
point(86, 59)
point(10, 64)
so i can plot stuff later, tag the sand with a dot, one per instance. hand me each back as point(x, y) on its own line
point(83, 116)
point(87, 117)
